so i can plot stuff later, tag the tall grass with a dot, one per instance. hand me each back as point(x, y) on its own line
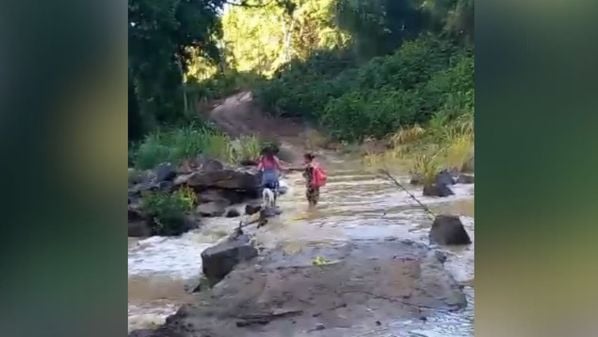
point(178, 144)
point(441, 144)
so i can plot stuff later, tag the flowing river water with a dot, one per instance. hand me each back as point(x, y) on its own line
point(355, 204)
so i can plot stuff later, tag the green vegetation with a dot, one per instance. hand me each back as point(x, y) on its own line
point(177, 144)
point(383, 69)
point(442, 144)
point(375, 99)
point(168, 210)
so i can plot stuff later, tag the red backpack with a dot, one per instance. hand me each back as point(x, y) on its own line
point(319, 177)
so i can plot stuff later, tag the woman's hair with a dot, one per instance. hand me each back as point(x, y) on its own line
point(267, 152)
point(309, 156)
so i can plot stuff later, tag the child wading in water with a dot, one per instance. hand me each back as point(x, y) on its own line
point(315, 177)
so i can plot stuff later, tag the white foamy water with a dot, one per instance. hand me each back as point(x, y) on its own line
point(179, 258)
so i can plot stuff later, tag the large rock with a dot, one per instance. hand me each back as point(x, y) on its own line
point(165, 172)
point(219, 260)
point(227, 178)
point(150, 186)
point(232, 213)
point(437, 191)
point(212, 208)
point(287, 292)
point(448, 230)
point(444, 177)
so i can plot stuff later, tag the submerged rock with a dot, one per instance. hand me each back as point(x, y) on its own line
point(219, 260)
point(448, 230)
point(437, 191)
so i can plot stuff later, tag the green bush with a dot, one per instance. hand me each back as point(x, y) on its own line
point(168, 210)
point(177, 144)
point(302, 88)
point(423, 77)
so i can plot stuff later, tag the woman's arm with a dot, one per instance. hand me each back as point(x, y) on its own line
point(279, 165)
point(260, 164)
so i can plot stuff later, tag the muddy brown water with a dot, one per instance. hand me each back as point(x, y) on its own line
point(356, 204)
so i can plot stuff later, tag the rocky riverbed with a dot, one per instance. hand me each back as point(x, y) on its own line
point(358, 265)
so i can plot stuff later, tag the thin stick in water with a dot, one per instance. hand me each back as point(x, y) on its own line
point(409, 193)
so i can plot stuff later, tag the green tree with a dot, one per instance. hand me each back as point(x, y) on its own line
point(263, 38)
point(161, 34)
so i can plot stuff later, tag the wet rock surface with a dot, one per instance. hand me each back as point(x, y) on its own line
point(448, 230)
point(219, 260)
point(362, 283)
point(437, 191)
point(444, 178)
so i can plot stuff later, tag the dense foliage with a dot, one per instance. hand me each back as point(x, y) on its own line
point(422, 77)
point(161, 35)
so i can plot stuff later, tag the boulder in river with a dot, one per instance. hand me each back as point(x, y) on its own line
point(251, 209)
point(437, 191)
point(227, 178)
point(281, 291)
point(232, 213)
point(448, 230)
point(444, 177)
point(219, 260)
point(212, 208)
